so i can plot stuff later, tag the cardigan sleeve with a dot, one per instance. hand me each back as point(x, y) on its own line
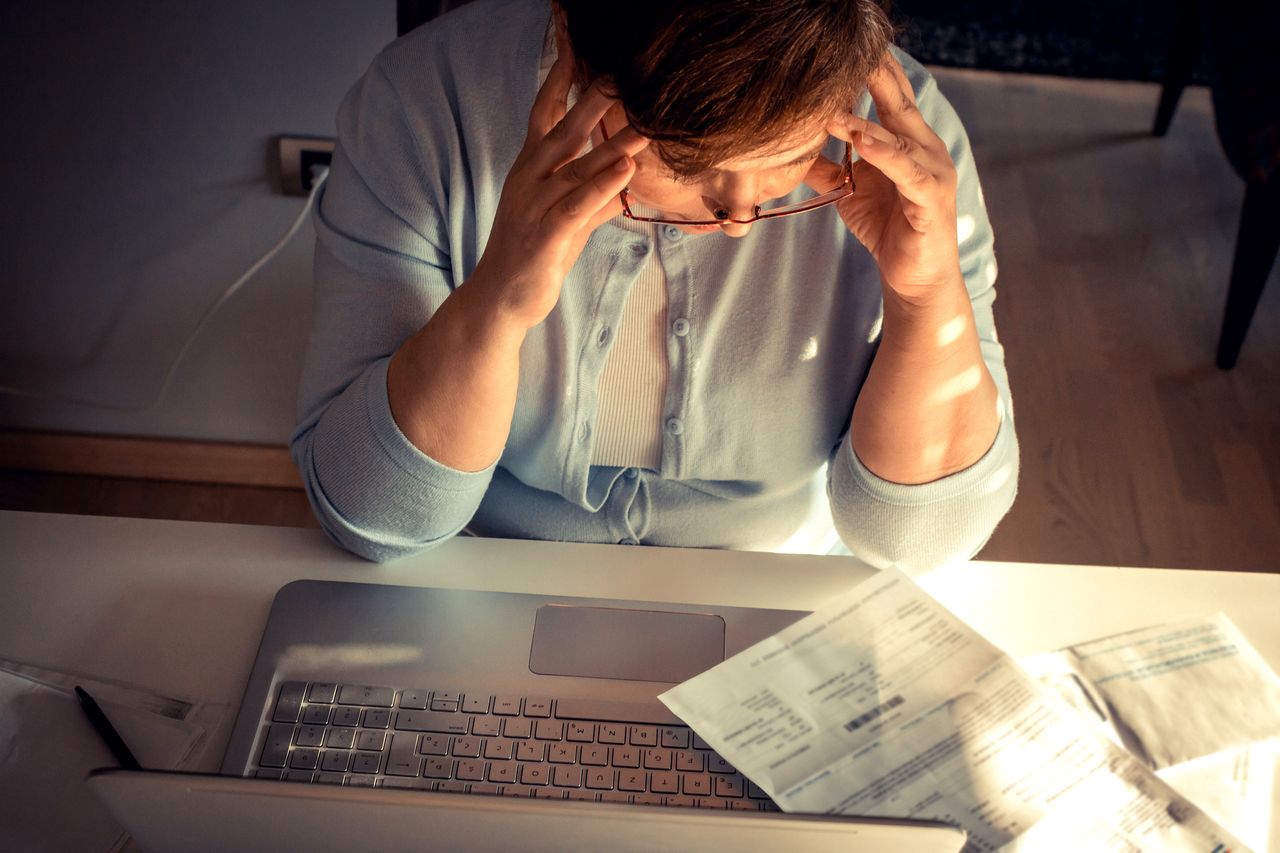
point(382, 268)
point(918, 527)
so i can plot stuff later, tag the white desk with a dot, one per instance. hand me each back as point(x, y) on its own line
point(179, 606)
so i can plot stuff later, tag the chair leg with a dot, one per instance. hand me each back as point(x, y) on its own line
point(1256, 247)
point(1184, 47)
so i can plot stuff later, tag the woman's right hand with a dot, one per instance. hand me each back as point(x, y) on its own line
point(553, 199)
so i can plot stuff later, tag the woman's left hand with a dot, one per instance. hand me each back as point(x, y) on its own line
point(904, 207)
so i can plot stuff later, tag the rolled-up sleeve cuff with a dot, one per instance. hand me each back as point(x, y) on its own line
point(918, 527)
point(375, 492)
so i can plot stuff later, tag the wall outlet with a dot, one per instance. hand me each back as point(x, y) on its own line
point(297, 155)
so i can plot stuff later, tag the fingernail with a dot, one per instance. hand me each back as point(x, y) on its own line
point(864, 140)
point(622, 165)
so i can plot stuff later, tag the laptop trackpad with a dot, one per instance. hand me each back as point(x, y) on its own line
point(634, 645)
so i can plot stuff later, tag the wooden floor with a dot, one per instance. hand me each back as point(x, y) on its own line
point(1114, 250)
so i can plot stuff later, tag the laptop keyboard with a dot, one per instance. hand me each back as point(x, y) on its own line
point(515, 746)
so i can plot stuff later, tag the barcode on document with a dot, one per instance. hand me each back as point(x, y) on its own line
point(888, 705)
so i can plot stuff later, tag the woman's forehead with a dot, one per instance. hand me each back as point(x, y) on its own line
point(804, 142)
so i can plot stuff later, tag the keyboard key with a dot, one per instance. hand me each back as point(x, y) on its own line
point(729, 786)
point(567, 777)
point(755, 792)
point(268, 774)
point(316, 715)
point(595, 755)
point(484, 788)
point(601, 779)
point(365, 781)
point(329, 778)
point(742, 805)
point(581, 732)
point(322, 692)
point(438, 768)
point(699, 743)
point(644, 736)
point(615, 797)
point(535, 774)
point(298, 776)
point(517, 727)
point(471, 770)
point(453, 787)
point(562, 753)
point(304, 758)
point(434, 744)
point(697, 786)
point(415, 700)
point(309, 735)
point(370, 741)
point(431, 721)
point(476, 705)
point(486, 726)
point(613, 733)
point(626, 756)
point(682, 801)
point(657, 759)
point(503, 772)
point(366, 762)
point(445, 700)
point(377, 718)
point(404, 766)
point(549, 730)
point(673, 737)
point(647, 800)
point(690, 762)
point(717, 764)
point(519, 791)
point(664, 783)
point(632, 780)
point(340, 738)
point(500, 749)
point(586, 796)
point(275, 748)
point(506, 706)
point(289, 702)
point(364, 694)
point(531, 751)
point(346, 717)
point(537, 707)
point(391, 782)
point(335, 760)
point(466, 747)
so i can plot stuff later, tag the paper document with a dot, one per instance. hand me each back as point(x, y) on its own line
point(1192, 699)
point(884, 703)
point(1173, 692)
point(47, 747)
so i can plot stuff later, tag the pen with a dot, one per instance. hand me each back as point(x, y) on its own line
point(107, 731)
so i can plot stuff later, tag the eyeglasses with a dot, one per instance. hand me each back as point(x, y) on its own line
point(843, 190)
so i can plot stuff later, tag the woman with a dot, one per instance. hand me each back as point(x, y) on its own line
point(519, 329)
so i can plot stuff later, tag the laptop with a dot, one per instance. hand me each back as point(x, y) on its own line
point(383, 716)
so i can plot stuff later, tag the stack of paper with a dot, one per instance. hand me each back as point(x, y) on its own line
point(884, 703)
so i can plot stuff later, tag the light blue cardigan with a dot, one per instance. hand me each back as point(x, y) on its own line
point(771, 337)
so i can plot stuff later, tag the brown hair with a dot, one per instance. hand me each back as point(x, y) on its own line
point(709, 80)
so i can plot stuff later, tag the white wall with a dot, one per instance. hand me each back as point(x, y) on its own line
point(137, 181)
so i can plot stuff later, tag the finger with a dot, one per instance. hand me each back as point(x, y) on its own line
point(569, 136)
point(914, 182)
point(580, 207)
point(627, 142)
point(895, 100)
point(552, 100)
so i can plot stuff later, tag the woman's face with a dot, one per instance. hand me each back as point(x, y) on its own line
point(736, 185)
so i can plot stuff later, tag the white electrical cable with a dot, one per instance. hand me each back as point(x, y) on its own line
point(319, 175)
